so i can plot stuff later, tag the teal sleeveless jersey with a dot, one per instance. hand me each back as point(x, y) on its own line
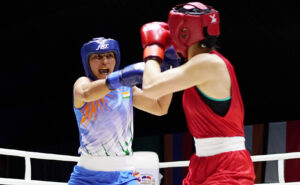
point(106, 125)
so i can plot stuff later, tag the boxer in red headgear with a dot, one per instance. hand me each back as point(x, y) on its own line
point(211, 101)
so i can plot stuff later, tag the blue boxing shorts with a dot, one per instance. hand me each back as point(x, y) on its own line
point(82, 176)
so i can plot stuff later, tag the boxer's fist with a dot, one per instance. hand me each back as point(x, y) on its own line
point(170, 60)
point(155, 40)
point(129, 76)
point(156, 33)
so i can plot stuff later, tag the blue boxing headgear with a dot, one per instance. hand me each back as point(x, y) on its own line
point(99, 45)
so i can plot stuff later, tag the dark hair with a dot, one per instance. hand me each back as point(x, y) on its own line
point(209, 41)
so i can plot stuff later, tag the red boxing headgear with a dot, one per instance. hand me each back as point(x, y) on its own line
point(186, 23)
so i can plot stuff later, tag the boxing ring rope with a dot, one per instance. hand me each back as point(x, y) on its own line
point(35, 155)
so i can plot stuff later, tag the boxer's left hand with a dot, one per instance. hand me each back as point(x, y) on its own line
point(170, 60)
point(129, 76)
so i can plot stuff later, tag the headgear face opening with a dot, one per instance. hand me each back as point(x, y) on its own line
point(99, 45)
point(187, 22)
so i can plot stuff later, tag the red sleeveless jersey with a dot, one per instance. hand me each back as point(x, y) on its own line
point(203, 122)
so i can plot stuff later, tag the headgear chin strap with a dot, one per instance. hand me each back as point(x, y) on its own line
point(187, 22)
point(99, 45)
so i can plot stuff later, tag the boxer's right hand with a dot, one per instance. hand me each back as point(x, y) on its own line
point(155, 40)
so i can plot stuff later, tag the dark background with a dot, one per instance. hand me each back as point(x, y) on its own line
point(40, 61)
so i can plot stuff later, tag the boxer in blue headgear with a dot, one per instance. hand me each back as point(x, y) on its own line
point(103, 105)
point(99, 45)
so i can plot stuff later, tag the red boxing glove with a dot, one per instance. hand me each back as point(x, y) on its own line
point(155, 40)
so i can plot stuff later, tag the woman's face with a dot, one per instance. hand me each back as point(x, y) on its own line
point(102, 64)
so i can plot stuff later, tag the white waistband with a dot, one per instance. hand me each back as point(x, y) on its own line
point(216, 145)
point(106, 163)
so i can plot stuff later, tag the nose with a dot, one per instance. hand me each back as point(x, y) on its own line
point(105, 60)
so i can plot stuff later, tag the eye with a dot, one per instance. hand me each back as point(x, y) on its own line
point(110, 55)
point(99, 56)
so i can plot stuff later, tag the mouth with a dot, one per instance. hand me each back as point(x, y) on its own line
point(103, 71)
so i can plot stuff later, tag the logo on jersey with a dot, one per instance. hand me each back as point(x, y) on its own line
point(126, 95)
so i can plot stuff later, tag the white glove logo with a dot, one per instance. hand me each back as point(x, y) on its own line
point(140, 66)
point(148, 27)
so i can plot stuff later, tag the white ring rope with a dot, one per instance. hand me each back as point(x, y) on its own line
point(35, 155)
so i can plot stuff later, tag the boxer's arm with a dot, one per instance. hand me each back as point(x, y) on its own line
point(157, 107)
point(86, 90)
point(197, 71)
